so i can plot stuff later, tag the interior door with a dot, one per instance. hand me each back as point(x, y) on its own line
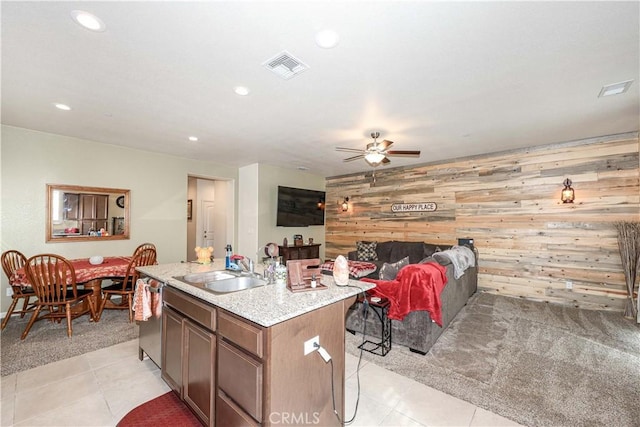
point(209, 214)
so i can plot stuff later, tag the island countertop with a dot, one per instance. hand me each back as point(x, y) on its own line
point(264, 305)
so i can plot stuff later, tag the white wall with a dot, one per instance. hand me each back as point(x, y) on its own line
point(248, 226)
point(158, 184)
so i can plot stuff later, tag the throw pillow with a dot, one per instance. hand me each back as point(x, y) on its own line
point(366, 251)
point(389, 271)
point(427, 259)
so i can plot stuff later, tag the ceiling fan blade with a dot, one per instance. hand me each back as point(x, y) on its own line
point(384, 144)
point(386, 161)
point(406, 153)
point(350, 150)
point(349, 159)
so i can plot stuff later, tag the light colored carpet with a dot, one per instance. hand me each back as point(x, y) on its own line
point(48, 342)
point(535, 363)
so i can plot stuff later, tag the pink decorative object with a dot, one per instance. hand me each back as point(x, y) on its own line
point(341, 271)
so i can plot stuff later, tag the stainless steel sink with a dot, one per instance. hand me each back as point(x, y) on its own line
point(235, 284)
point(207, 277)
point(222, 282)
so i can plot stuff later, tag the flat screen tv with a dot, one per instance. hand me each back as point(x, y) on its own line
point(298, 207)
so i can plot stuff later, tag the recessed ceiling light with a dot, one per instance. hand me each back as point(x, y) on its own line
point(615, 88)
point(193, 138)
point(241, 90)
point(88, 20)
point(64, 107)
point(327, 39)
point(303, 168)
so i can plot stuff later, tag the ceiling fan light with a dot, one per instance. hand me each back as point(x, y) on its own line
point(88, 20)
point(374, 158)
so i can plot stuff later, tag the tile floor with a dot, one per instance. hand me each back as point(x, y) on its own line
point(99, 388)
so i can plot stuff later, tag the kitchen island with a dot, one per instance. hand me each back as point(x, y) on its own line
point(238, 358)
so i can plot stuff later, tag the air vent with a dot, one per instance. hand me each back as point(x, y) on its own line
point(615, 89)
point(285, 65)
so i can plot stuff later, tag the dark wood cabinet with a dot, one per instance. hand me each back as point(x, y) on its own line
point(93, 212)
point(240, 369)
point(172, 353)
point(198, 389)
point(189, 352)
point(233, 372)
point(94, 206)
point(299, 252)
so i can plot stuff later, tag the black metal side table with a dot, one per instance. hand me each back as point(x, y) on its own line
point(381, 309)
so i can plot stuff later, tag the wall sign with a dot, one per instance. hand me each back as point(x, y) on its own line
point(414, 207)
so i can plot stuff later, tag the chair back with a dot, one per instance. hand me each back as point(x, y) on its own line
point(144, 246)
point(11, 261)
point(52, 277)
point(142, 257)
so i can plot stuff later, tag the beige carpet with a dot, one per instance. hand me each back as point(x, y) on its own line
point(48, 342)
point(535, 363)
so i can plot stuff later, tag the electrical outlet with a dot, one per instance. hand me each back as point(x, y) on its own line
point(310, 345)
point(9, 292)
point(568, 284)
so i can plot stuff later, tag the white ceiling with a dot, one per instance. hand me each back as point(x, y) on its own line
point(449, 78)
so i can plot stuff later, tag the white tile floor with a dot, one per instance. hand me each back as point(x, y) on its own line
point(99, 388)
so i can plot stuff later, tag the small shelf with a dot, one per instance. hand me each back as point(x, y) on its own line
point(299, 252)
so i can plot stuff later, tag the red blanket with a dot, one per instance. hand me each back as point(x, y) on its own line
point(417, 287)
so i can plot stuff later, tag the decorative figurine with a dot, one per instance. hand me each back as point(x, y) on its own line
point(204, 254)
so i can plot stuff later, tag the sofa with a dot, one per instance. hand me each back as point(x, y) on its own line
point(416, 331)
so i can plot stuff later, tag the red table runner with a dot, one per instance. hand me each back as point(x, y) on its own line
point(115, 266)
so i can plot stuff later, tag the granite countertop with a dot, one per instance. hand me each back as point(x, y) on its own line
point(265, 305)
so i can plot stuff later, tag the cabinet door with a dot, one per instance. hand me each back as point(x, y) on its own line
point(314, 251)
point(229, 414)
point(94, 206)
point(240, 378)
point(172, 349)
point(102, 208)
point(87, 206)
point(199, 371)
point(70, 201)
point(295, 254)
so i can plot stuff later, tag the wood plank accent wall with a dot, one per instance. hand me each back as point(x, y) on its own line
point(530, 243)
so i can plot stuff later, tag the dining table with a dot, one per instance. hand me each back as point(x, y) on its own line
point(88, 275)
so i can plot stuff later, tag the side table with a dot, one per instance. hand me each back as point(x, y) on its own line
point(381, 309)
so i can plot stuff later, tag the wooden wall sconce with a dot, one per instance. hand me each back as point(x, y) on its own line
point(345, 204)
point(567, 192)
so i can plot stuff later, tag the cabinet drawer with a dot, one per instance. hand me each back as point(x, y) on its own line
point(189, 306)
point(240, 332)
point(240, 377)
point(229, 414)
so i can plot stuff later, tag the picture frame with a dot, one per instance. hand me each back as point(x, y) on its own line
point(189, 209)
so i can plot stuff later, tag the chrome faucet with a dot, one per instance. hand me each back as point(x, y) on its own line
point(250, 266)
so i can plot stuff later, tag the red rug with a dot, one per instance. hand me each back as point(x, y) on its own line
point(164, 410)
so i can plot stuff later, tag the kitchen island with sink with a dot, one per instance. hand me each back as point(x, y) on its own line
point(238, 358)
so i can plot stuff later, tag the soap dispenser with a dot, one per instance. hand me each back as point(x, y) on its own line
point(281, 274)
point(227, 258)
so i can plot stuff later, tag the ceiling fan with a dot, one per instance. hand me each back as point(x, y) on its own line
point(377, 153)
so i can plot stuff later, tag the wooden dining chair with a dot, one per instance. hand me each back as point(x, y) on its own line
point(11, 261)
point(54, 282)
point(126, 288)
point(120, 279)
point(145, 246)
